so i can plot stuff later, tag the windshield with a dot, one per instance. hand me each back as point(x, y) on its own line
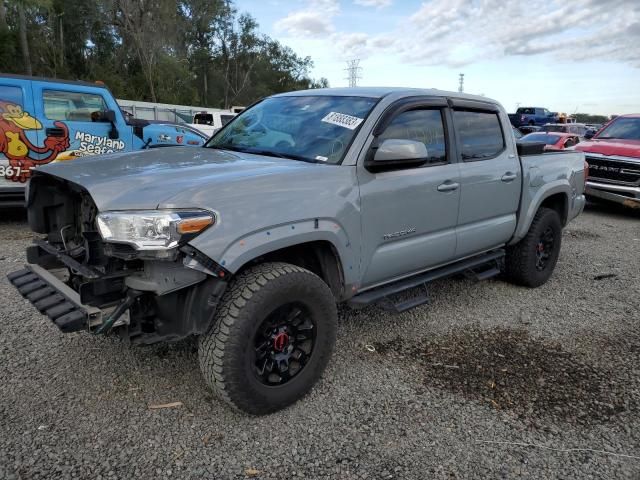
point(622, 128)
point(311, 128)
point(540, 137)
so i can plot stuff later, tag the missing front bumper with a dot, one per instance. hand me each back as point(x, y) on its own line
point(54, 299)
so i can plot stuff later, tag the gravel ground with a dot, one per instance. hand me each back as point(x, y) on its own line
point(489, 381)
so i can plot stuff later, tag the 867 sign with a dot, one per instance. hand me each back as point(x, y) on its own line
point(9, 171)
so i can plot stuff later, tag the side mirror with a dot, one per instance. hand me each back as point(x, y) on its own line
point(589, 135)
point(393, 154)
point(110, 116)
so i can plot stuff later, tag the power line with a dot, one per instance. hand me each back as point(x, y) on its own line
point(353, 72)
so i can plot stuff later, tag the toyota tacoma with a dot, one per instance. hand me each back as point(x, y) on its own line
point(303, 201)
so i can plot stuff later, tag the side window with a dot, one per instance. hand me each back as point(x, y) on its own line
point(226, 119)
point(10, 97)
point(424, 126)
point(73, 106)
point(479, 133)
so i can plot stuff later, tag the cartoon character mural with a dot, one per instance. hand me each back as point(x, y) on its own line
point(22, 154)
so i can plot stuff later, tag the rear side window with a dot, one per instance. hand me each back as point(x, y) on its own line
point(73, 106)
point(10, 96)
point(479, 133)
point(203, 119)
point(424, 126)
point(226, 118)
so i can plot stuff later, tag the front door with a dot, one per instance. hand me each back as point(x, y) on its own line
point(409, 215)
point(491, 179)
point(72, 121)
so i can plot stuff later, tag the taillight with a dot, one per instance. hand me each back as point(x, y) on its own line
point(586, 172)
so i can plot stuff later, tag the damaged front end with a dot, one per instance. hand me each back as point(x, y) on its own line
point(131, 272)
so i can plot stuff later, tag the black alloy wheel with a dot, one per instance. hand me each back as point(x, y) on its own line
point(531, 261)
point(271, 338)
point(283, 344)
point(544, 249)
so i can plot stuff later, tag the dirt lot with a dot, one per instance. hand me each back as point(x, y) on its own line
point(489, 381)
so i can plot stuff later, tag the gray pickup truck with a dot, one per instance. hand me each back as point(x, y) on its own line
point(304, 200)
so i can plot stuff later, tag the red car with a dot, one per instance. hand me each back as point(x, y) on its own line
point(613, 155)
point(553, 140)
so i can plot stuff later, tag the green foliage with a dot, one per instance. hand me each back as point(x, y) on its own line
point(195, 52)
point(587, 118)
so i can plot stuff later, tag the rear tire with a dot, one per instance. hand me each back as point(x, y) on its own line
point(271, 339)
point(532, 260)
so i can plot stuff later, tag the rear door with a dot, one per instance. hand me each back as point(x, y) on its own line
point(73, 123)
point(18, 127)
point(409, 215)
point(490, 177)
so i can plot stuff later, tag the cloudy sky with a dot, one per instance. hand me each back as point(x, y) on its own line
point(565, 55)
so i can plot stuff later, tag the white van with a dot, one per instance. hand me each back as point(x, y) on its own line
point(210, 122)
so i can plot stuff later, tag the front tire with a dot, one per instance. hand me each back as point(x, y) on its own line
point(532, 260)
point(271, 339)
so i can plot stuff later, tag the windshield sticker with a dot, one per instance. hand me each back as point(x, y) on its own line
point(321, 158)
point(342, 120)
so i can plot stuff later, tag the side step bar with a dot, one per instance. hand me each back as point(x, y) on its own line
point(481, 267)
point(53, 298)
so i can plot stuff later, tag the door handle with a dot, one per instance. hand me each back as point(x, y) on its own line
point(448, 186)
point(54, 132)
point(509, 177)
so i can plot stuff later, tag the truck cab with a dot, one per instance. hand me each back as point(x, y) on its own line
point(43, 120)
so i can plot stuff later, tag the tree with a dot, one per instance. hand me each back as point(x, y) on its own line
point(24, 42)
point(172, 51)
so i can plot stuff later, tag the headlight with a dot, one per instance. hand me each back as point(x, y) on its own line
point(153, 229)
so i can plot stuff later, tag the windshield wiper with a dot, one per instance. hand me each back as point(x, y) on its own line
point(267, 153)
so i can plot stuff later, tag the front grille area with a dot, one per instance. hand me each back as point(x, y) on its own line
point(614, 171)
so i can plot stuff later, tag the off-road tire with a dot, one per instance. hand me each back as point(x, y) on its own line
point(248, 300)
point(520, 261)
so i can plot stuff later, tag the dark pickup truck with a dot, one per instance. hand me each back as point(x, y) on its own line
point(532, 116)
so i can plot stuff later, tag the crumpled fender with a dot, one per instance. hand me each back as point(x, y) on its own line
point(261, 242)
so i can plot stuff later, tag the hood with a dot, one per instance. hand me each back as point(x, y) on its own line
point(148, 179)
point(624, 148)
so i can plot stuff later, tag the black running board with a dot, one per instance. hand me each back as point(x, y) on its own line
point(54, 299)
point(480, 267)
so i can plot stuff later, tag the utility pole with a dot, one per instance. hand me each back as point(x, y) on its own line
point(461, 86)
point(353, 72)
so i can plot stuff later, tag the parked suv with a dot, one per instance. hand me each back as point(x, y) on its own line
point(305, 200)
